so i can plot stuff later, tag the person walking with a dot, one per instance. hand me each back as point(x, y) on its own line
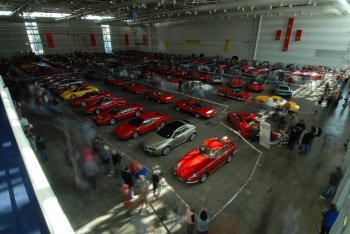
point(89, 167)
point(128, 179)
point(202, 221)
point(293, 137)
point(32, 140)
point(334, 181)
point(142, 188)
point(41, 145)
point(190, 220)
point(346, 100)
point(117, 164)
point(306, 142)
point(329, 218)
point(180, 86)
point(156, 180)
point(105, 159)
point(301, 127)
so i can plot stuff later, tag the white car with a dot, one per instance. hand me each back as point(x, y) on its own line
point(216, 79)
point(196, 84)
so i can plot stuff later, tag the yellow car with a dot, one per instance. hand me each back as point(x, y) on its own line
point(78, 92)
point(279, 102)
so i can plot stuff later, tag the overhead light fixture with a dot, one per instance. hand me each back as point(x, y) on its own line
point(294, 14)
point(238, 7)
point(214, 10)
point(254, 16)
point(178, 14)
point(242, 8)
point(252, 7)
point(225, 10)
point(290, 5)
point(316, 4)
point(310, 14)
point(281, 5)
point(270, 7)
point(209, 12)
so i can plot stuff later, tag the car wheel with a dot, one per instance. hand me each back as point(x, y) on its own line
point(197, 115)
point(162, 124)
point(177, 108)
point(137, 113)
point(193, 136)
point(112, 121)
point(166, 150)
point(203, 177)
point(73, 97)
point(135, 135)
point(83, 104)
point(97, 111)
point(229, 158)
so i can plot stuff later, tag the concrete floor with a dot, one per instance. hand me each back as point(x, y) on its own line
point(282, 197)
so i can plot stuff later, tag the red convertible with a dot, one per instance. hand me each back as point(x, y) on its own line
point(236, 83)
point(103, 104)
point(120, 112)
point(142, 124)
point(159, 95)
point(200, 162)
point(255, 86)
point(234, 93)
point(242, 122)
point(88, 98)
point(194, 107)
point(132, 87)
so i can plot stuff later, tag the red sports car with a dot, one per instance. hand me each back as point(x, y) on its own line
point(248, 70)
point(103, 104)
point(194, 107)
point(145, 122)
point(132, 87)
point(72, 87)
point(242, 121)
point(200, 162)
point(236, 83)
point(120, 112)
point(234, 93)
point(255, 86)
point(159, 95)
point(88, 98)
point(116, 82)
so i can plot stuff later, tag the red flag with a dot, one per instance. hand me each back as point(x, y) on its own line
point(126, 39)
point(278, 35)
point(289, 31)
point(298, 35)
point(144, 39)
point(49, 40)
point(93, 39)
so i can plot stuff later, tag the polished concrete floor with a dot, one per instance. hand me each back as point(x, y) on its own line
point(281, 197)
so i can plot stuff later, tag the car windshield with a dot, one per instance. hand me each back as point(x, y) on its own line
point(114, 111)
point(197, 106)
point(136, 122)
point(168, 130)
point(206, 151)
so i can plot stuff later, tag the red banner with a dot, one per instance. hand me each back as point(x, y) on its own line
point(49, 40)
point(126, 39)
point(144, 39)
point(298, 35)
point(289, 31)
point(93, 39)
point(278, 35)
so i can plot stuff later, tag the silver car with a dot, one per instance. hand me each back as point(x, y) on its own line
point(170, 136)
point(283, 90)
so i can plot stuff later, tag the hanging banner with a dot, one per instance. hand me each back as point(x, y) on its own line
point(227, 45)
point(289, 31)
point(265, 131)
point(278, 35)
point(192, 42)
point(298, 35)
point(144, 39)
point(126, 39)
point(93, 39)
point(49, 40)
point(165, 44)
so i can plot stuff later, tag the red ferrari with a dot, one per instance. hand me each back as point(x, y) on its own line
point(72, 87)
point(103, 104)
point(242, 121)
point(234, 93)
point(116, 82)
point(200, 162)
point(144, 123)
point(132, 87)
point(236, 83)
point(194, 107)
point(159, 95)
point(88, 98)
point(255, 86)
point(115, 114)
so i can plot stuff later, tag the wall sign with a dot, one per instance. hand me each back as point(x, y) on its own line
point(298, 35)
point(49, 40)
point(93, 39)
point(288, 32)
point(278, 35)
point(227, 45)
point(192, 42)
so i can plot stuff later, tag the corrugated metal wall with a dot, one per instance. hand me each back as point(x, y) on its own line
point(13, 39)
point(325, 40)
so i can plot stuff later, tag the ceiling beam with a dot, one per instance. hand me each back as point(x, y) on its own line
point(23, 6)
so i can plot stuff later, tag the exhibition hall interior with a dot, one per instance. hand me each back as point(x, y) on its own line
point(175, 116)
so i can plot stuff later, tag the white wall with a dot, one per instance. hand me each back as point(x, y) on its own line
point(212, 33)
point(324, 41)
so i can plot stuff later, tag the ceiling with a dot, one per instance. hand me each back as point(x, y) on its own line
point(152, 11)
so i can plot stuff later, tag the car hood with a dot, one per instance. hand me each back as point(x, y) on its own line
point(154, 140)
point(191, 163)
point(206, 108)
point(124, 128)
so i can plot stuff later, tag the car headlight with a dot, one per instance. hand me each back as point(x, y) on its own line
point(209, 112)
point(167, 97)
point(177, 166)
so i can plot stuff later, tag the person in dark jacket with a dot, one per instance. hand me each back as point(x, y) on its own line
point(41, 145)
point(306, 141)
point(293, 137)
point(128, 179)
point(301, 127)
point(334, 181)
point(329, 218)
